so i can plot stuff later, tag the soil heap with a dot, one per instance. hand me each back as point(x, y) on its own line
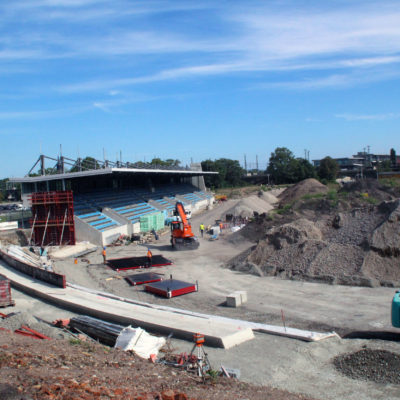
point(307, 187)
point(347, 241)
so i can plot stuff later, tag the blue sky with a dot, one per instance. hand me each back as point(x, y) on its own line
point(197, 79)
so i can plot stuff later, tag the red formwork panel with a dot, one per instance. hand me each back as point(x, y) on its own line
point(53, 218)
point(5, 292)
point(123, 264)
point(171, 288)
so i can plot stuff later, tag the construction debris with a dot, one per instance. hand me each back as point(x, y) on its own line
point(139, 341)
point(26, 331)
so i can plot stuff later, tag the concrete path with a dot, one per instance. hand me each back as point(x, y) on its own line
point(217, 333)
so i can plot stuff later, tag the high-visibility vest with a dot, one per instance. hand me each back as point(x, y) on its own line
point(202, 227)
point(104, 253)
point(149, 254)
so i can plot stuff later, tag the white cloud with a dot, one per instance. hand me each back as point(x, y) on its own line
point(241, 39)
point(368, 117)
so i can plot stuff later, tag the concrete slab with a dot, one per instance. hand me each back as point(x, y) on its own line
point(224, 334)
point(243, 296)
point(233, 300)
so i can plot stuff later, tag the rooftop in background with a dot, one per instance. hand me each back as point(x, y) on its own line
point(360, 160)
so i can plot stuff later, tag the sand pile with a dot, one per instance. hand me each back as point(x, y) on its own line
point(248, 205)
point(268, 197)
point(363, 249)
point(307, 187)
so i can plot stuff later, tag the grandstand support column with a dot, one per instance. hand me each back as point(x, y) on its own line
point(150, 185)
point(48, 186)
point(63, 184)
point(198, 181)
point(42, 167)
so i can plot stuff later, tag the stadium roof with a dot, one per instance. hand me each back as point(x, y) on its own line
point(107, 171)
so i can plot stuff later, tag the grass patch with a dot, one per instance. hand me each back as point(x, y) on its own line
point(391, 182)
point(313, 196)
point(369, 199)
point(285, 209)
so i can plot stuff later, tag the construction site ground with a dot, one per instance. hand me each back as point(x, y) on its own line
point(360, 313)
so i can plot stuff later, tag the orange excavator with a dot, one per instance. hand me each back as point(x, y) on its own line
point(182, 237)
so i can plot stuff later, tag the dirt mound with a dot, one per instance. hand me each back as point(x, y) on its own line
point(18, 237)
point(358, 248)
point(55, 369)
point(379, 366)
point(248, 205)
point(386, 238)
point(294, 232)
point(307, 187)
point(371, 188)
point(268, 197)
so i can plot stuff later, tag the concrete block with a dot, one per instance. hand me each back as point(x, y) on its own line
point(243, 296)
point(233, 300)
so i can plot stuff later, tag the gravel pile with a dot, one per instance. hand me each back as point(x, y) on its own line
point(248, 205)
point(379, 366)
point(19, 319)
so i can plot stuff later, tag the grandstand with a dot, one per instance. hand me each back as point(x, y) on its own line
point(110, 201)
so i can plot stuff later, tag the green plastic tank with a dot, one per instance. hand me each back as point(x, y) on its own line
point(396, 310)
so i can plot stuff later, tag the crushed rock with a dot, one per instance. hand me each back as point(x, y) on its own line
point(19, 319)
point(380, 366)
point(359, 247)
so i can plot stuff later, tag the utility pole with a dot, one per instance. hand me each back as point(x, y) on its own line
point(245, 163)
point(257, 162)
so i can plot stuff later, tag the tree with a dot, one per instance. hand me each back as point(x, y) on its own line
point(384, 166)
point(283, 167)
point(165, 163)
point(305, 169)
point(280, 165)
point(393, 157)
point(86, 164)
point(328, 169)
point(230, 173)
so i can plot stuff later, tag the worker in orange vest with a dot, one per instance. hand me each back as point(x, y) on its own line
point(149, 257)
point(104, 255)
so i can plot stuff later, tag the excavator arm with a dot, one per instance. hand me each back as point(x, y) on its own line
point(182, 236)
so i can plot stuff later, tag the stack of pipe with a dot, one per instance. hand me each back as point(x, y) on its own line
point(97, 329)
